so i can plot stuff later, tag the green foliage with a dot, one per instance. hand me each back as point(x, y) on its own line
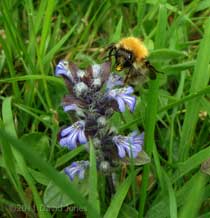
point(54, 197)
point(172, 110)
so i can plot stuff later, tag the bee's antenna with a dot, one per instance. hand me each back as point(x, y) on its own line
point(108, 56)
point(111, 49)
point(111, 46)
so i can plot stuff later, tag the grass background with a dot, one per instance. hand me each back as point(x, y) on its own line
point(173, 110)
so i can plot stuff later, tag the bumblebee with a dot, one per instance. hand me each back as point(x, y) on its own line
point(130, 53)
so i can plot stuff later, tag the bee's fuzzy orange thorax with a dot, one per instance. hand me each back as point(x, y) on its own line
point(136, 46)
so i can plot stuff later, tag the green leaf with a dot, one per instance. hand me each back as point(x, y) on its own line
point(8, 117)
point(68, 156)
point(128, 212)
point(140, 160)
point(150, 121)
point(165, 54)
point(54, 197)
point(38, 142)
point(39, 177)
point(117, 35)
point(118, 199)
point(191, 163)
point(205, 4)
point(172, 196)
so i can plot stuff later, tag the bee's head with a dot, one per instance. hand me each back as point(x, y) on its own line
point(123, 58)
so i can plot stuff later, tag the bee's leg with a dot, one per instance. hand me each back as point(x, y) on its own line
point(111, 49)
point(128, 75)
point(152, 75)
point(110, 54)
point(152, 71)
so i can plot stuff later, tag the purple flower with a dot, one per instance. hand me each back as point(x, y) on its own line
point(70, 107)
point(132, 144)
point(74, 107)
point(122, 96)
point(76, 168)
point(62, 69)
point(73, 134)
point(114, 80)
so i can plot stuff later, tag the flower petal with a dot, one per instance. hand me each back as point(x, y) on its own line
point(81, 174)
point(70, 107)
point(121, 104)
point(72, 139)
point(62, 69)
point(76, 168)
point(81, 137)
point(66, 131)
point(129, 90)
point(121, 151)
point(130, 101)
point(122, 96)
point(64, 142)
point(131, 144)
point(114, 80)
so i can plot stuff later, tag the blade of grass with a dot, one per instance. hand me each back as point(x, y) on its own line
point(9, 127)
point(32, 77)
point(32, 36)
point(151, 112)
point(194, 199)
point(185, 99)
point(57, 46)
point(162, 24)
point(93, 190)
point(118, 199)
point(161, 209)
point(12, 72)
point(117, 34)
point(140, 11)
point(8, 157)
point(179, 93)
point(14, 37)
point(200, 79)
point(158, 166)
point(150, 120)
point(191, 163)
point(28, 111)
point(43, 45)
point(68, 156)
point(172, 196)
point(46, 27)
